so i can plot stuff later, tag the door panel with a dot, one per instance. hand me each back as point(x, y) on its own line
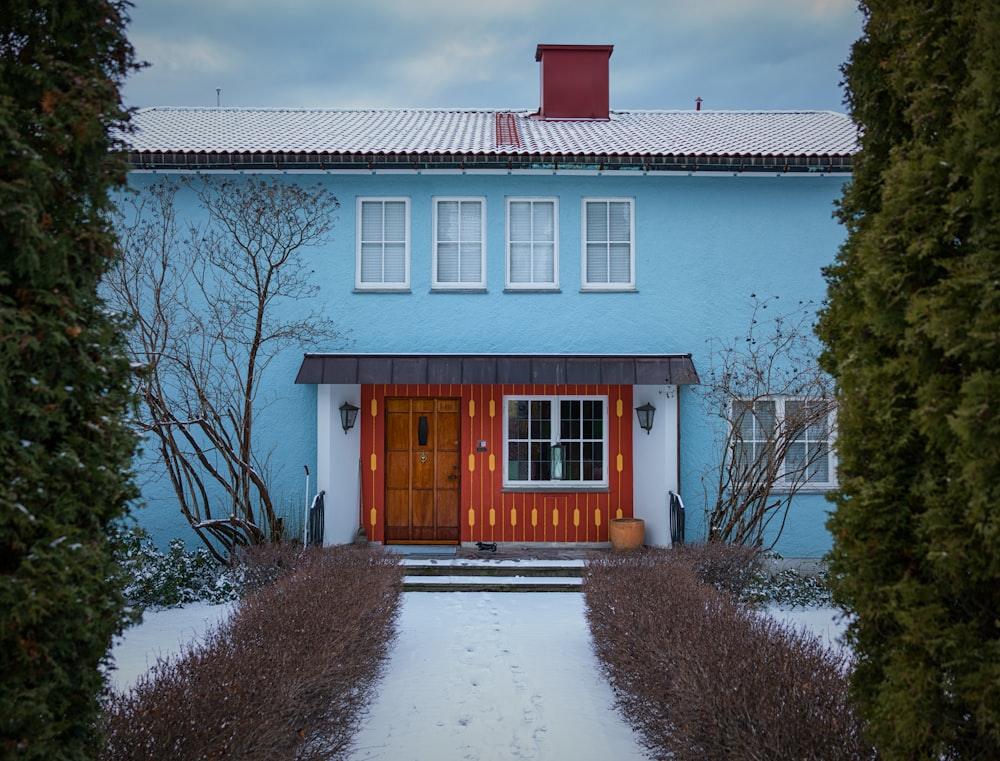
point(397, 470)
point(423, 480)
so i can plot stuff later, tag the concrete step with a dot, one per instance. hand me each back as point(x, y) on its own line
point(492, 575)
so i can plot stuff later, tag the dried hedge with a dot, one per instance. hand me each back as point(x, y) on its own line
point(702, 676)
point(287, 677)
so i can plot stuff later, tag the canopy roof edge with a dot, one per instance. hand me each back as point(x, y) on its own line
point(482, 369)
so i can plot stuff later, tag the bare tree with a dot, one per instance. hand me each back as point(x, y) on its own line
point(212, 303)
point(776, 407)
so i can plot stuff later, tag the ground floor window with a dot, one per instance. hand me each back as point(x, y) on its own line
point(792, 436)
point(555, 441)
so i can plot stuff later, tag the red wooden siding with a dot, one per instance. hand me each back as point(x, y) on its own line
point(488, 513)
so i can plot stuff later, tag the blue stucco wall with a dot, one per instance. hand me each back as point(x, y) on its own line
point(703, 245)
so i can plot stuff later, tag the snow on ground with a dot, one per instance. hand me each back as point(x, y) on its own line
point(828, 624)
point(162, 633)
point(493, 675)
point(472, 675)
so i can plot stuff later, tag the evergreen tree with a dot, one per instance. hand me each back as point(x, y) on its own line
point(65, 449)
point(912, 335)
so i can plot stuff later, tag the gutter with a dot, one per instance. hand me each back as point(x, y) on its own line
point(320, 162)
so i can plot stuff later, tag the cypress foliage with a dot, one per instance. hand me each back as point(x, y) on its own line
point(912, 336)
point(64, 446)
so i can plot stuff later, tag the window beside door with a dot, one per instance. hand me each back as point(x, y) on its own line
point(552, 442)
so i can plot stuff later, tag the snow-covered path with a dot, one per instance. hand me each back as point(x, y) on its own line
point(480, 676)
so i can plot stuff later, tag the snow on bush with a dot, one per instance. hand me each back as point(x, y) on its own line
point(153, 579)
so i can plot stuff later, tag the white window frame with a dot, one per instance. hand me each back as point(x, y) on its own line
point(807, 485)
point(554, 438)
point(382, 285)
point(586, 285)
point(552, 285)
point(444, 285)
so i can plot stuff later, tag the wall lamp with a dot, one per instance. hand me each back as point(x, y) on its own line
point(348, 415)
point(645, 414)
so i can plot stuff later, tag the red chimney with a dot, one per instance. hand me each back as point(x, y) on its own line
point(574, 81)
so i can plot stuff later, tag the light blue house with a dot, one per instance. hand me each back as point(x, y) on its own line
point(517, 283)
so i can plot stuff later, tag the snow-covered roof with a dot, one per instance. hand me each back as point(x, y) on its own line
point(489, 132)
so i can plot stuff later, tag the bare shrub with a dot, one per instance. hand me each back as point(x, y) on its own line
point(258, 566)
point(703, 676)
point(287, 677)
point(775, 406)
point(208, 295)
point(730, 568)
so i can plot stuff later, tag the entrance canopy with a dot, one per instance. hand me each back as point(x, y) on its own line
point(463, 369)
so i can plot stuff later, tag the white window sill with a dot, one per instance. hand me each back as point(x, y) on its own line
point(805, 489)
point(539, 488)
point(533, 289)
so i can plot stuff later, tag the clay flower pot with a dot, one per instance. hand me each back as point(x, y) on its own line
point(626, 533)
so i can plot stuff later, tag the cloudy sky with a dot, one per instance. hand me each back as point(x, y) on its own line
point(734, 54)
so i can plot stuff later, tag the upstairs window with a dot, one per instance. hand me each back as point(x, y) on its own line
point(532, 244)
point(383, 257)
point(555, 441)
point(608, 244)
point(459, 243)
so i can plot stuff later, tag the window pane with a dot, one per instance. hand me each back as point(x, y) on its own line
point(743, 420)
point(819, 428)
point(820, 469)
point(371, 263)
point(743, 455)
point(543, 265)
point(541, 465)
point(597, 221)
point(395, 221)
point(520, 263)
point(796, 458)
point(371, 220)
point(619, 221)
point(447, 221)
point(597, 263)
point(395, 263)
point(520, 221)
point(517, 419)
point(472, 220)
point(471, 265)
point(620, 263)
point(543, 221)
point(765, 419)
point(517, 461)
point(447, 262)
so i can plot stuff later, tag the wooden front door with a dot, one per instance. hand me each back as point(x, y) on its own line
point(422, 470)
